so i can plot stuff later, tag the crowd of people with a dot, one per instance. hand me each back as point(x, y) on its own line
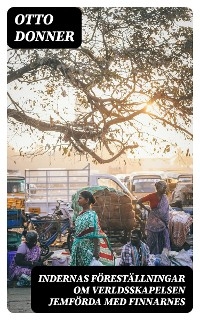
point(90, 242)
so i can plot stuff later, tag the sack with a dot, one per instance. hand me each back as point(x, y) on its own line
point(62, 261)
point(95, 263)
point(24, 281)
point(181, 258)
point(114, 208)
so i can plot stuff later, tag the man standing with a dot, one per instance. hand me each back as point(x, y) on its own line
point(135, 252)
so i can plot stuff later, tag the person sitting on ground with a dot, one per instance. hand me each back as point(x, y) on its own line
point(28, 256)
point(135, 252)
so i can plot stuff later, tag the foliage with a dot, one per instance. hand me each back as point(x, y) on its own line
point(131, 76)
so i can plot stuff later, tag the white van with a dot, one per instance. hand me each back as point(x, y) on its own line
point(141, 184)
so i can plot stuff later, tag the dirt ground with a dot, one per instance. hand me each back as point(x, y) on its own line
point(19, 300)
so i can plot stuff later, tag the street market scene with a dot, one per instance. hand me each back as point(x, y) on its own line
point(118, 214)
point(100, 160)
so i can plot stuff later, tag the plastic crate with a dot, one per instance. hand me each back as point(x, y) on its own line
point(14, 212)
point(13, 240)
point(10, 256)
point(14, 218)
point(17, 223)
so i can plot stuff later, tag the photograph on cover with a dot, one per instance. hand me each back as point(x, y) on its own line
point(100, 159)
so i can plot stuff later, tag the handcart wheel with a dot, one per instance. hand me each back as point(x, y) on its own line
point(44, 250)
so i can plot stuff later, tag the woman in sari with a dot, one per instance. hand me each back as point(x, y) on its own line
point(28, 255)
point(158, 218)
point(90, 241)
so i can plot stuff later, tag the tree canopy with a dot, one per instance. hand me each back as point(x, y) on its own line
point(131, 75)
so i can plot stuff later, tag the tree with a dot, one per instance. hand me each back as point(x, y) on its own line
point(131, 75)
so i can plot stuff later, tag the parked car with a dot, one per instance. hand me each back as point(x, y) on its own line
point(172, 177)
point(183, 194)
point(141, 184)
point(185, 178)
point(124, 178)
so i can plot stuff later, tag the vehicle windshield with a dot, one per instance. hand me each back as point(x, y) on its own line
point(144, 185)
point(185, 179)
point(109, 183)
point(16, 185)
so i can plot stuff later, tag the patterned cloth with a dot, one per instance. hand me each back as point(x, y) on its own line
point(86, 229)
point(33, 254)
point(158, 218)
point(157, 241)
point(179, 226)
point(131, 256)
